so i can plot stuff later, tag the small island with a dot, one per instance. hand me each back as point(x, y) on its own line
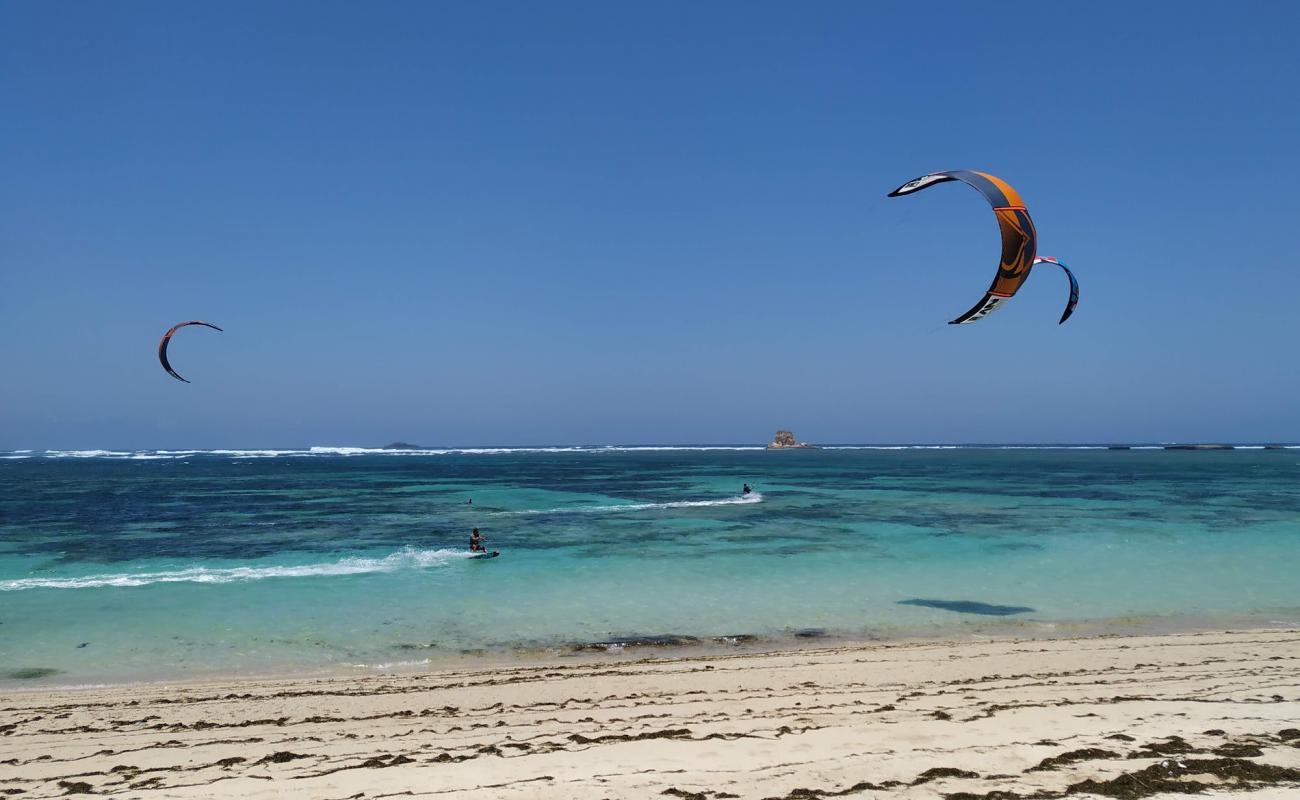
point(401, 446)
point(784, 440)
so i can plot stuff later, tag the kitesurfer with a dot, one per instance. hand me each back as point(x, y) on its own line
point(746, 490)
point(476, 542)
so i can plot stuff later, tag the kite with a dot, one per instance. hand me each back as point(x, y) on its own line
point(1019, 240)
point(167, 337)
point(1074, 285)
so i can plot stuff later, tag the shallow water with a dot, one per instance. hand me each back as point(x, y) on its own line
point(118, 565)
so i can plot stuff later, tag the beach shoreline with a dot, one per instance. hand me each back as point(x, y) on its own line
point(411, 660)
point(908, 719)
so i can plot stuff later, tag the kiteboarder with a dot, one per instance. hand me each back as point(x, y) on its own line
point(746, 490)
point(476, 542)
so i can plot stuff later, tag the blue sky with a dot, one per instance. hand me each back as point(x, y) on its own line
point(521, 223)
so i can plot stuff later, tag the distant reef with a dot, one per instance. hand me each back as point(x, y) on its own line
point(401, 446)
point(784, 440)
point(1199, 447)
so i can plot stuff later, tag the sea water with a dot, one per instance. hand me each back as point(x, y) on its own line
point(165, 564)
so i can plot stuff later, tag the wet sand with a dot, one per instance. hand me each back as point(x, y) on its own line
point(1112, 716)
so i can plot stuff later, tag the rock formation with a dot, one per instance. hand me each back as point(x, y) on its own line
point(784, 440)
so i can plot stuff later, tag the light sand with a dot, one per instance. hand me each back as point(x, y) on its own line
point(902, 720)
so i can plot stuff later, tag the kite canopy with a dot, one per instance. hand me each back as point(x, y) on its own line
point(166, 339)
point(1019, 241)
point(1074, 285)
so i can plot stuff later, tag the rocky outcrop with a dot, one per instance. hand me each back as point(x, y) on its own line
point(1198, 447)
point(401, 446)
point(785, 440)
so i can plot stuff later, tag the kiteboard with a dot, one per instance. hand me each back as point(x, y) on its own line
point(492, 554)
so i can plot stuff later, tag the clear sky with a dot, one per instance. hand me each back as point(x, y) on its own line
point(527, 223)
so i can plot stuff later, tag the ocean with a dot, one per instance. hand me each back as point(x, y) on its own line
point(121, 566)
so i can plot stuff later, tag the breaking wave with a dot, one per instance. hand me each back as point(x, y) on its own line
point(756, 497)
point(962, 446)
point(319, 451)
point(407, 558)
point(327, 452)
point(889, 447)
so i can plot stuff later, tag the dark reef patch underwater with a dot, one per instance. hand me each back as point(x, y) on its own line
point(28, 673)
point(969, 607)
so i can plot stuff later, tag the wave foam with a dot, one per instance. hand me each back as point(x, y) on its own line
point(321, 451)
point(962, 447)
point(407, 558)
point(253, 453)
point(889, 447)
point(435, 451)
point(756, 497)
point(671, 448)
point(87, 454)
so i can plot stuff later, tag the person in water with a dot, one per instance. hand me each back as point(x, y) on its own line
point(476, 542)
point(746, 490)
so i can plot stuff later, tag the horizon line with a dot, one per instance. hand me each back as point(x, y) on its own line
point(413, 448)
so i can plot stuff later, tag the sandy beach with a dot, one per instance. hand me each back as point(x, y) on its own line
point(1114, 716)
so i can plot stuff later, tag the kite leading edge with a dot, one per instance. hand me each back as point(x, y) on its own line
point(166, 339)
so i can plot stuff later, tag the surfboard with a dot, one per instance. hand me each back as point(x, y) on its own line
point(492, 554)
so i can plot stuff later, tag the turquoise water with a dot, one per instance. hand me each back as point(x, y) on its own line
point(117, 566)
